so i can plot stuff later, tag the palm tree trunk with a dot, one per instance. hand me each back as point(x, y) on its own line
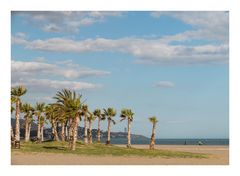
point(71, 142)
point(12, 138)
point(42, 138)
point(71, 125)
point(152, 141)
point(129, 134)
point(63, 131)
point(109, 133)
point(29, 131)
point(75, 133)
point(85, 130)
point(17, 130)
point(90, 132)
point(12, 134)
point(70, 129)
point(54, 131)
point(98, 131)
point(57, 125)
point(66, 130)
point(39, 130)
point(26, 129)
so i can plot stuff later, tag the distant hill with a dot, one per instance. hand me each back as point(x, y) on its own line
point(22, 121)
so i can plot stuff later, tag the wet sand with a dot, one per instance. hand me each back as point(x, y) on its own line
point(219, 155)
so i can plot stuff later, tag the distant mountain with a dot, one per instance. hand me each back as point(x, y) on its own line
point(22, 121)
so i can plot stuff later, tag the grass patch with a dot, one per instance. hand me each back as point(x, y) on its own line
point(102, 150)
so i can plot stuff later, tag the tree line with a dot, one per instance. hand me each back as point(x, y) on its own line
point(68, 110)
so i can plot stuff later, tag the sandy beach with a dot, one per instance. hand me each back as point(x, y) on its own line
point(219, 155)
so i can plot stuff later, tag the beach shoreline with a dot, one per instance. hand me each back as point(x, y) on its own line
point(219, 155)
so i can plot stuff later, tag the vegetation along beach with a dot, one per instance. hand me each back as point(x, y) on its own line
point(68, 110)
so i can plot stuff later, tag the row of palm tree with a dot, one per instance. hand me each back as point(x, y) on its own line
point(68, 110)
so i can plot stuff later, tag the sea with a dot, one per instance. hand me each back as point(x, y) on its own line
point(174, 141)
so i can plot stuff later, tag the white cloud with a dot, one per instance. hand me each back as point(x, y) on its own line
point(51, 28)
point(164, 84)
point(43, 85)
point(29, 67)
point(147, 51)
point(156, 51)
point(45, 77)
point(65, 21)
point(71, 70)
point(21, 35)
point(208, 25)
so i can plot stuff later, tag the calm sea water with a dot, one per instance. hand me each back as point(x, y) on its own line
point(175, 141)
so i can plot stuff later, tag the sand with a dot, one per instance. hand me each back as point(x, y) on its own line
point(219, 156)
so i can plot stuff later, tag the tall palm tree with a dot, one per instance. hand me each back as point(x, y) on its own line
point(154, 121)
point(16, 93)
point(85, 113)
point(62, 98)
point(69, 105)
point(90, 119)
point(127, 114)
point(100, 116)
point(27, 109)
point(12, 134)
point(39, 110)
point(52, 116)
point(109, 113)
point(75, 106)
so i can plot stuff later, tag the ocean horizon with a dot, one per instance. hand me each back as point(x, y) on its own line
point(195, 141)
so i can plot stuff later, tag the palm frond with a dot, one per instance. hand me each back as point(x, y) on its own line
point(153, 119)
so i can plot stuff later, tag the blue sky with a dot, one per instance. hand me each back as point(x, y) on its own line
point(173, 65)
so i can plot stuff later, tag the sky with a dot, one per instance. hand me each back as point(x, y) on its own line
point(172, 65)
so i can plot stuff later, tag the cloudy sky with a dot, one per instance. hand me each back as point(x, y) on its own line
point(173, 65)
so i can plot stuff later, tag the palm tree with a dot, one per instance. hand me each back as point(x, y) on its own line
point(69, 104)
point(75, 106)
point(39, 109)
point(110, 113)
point(100, 116)
point(127, 114)
point(16, 93)
point(62, 98)
point(27, 109)
point(52, 116)
point(85, 114)
point(12, 134)
point(90, 119)
point(154, 121)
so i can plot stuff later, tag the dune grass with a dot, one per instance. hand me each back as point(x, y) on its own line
point(102, 150)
